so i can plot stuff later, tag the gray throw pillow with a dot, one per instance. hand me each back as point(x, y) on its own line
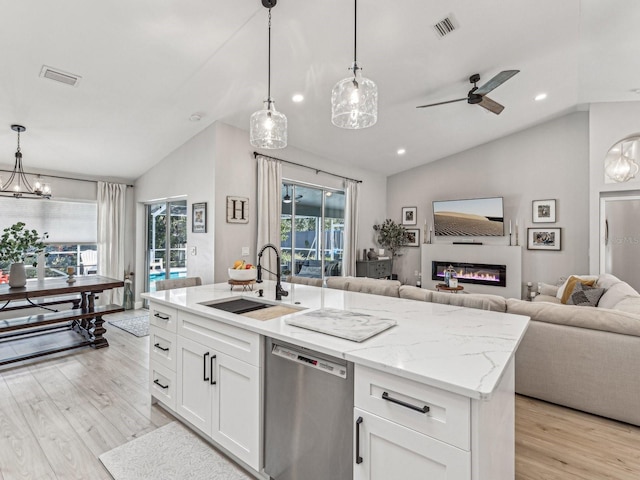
point(585, 296)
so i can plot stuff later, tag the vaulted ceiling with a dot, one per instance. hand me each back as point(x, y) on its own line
point(147, 66)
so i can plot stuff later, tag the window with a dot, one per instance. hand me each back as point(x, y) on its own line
point(72, 229)
point(312, 231)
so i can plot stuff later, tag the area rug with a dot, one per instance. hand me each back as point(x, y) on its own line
point(169, 453)
point(138, 326)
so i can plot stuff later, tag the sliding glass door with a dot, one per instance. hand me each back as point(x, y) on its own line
point(312, 230)
point(166, 242)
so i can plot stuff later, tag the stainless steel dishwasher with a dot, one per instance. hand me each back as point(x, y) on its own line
point(308, 414)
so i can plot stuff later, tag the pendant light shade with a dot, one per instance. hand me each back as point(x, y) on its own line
point(354, 100)
point(268, 127)
point(620, 166)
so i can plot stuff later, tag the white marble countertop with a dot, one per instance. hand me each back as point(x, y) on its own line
point(461, 350)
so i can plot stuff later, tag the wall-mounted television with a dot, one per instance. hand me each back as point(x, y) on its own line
point(473, 217)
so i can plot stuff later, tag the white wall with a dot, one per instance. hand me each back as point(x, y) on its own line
point(188, 172)
point(237, 176)
point(608, 124)
point(544, 162)
point(219, 162)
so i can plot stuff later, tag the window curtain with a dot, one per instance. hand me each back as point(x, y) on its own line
point(269, 207)
point(111, 213)
point(351, 228)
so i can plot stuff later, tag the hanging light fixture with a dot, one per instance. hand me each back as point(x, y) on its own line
point(268, 127)
point(354, 100)
point(287, 197)
point(622, 168)
point(17, 185)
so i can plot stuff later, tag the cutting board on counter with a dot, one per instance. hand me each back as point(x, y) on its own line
point(353, 326)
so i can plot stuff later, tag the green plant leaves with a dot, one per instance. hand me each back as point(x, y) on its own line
point(19, 244)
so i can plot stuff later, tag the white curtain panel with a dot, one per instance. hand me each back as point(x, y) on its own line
point(111, 222)
point(351, 228)
point(269, 210)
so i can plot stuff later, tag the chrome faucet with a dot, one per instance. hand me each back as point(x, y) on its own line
point(280, 292)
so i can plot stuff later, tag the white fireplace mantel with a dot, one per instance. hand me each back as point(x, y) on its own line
point(475, 253)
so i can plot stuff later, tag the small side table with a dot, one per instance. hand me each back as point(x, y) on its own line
point(441, 287)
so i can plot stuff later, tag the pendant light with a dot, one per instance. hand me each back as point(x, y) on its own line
point(268, 127)
point(17, 185)
point(622, 168)
point(354, 100)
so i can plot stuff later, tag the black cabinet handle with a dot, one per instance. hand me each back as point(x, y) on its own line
point(204, 367)
point(385, 396)
point(157, 382)
point(162, 317)
point(358, 457)
point(213, 357)
point(157, 345)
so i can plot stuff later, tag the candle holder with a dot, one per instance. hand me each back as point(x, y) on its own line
point(510, 244)
point(71, 275)
point(517, 240)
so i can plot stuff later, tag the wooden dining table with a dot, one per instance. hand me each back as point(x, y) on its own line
point(51, 297)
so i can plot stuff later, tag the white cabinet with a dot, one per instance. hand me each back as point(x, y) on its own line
point(404, 429)
point(215, 381)
point(389, 450)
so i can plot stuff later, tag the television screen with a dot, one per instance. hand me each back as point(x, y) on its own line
point(477, 217)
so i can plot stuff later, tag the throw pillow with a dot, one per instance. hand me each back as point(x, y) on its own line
point(570, 284)
point(584, 295)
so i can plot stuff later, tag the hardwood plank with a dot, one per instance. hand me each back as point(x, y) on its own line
point(65, 451)
point(20, 454)
point(557, 443)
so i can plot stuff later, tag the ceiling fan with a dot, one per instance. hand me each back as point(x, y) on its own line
point(477, 95)
point(287, 197)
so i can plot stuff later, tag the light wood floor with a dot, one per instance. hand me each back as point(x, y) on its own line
point(59, 414)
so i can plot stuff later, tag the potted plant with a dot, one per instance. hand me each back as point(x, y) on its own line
point(391, 237)
point(17, 246)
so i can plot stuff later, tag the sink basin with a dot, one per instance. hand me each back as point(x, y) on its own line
point(252, 308)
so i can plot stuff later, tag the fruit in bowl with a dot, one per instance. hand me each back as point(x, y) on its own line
point(242, 271)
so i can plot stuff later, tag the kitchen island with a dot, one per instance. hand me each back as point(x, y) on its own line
point(457, 361)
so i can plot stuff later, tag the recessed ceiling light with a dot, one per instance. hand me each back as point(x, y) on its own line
point(401, 151)
point(196, 117)
point(298, 97)
point(636, 90)
point(328, 194)
point(540, 96)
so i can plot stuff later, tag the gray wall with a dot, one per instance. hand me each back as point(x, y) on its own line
point(219, 162)
point(547, 161)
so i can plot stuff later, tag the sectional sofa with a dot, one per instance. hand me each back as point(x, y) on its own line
point(583, 357)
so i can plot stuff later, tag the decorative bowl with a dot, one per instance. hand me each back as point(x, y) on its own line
point(243, 275)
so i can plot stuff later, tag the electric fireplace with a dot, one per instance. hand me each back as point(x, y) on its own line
point(477, 273)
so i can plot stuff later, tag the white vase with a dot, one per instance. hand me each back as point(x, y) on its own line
point(17, 275)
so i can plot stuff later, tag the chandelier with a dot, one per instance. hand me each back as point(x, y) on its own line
point(18, 185)
point(354, 100)
point(268, 127)
point(621, 166)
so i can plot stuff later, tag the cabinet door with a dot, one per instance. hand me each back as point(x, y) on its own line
point(236, 408)
point(194, 384)
point(389, 450)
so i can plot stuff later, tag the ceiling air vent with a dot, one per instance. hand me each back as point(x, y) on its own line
point(445, 26)
point(60, 76)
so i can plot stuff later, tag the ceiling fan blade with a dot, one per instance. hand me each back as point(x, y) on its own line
point(442, 103)
point(496, 81)
point(491, 105)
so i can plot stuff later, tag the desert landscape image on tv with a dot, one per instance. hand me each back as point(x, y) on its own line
point(473, 217)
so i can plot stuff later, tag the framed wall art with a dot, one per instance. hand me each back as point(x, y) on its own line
point(413, 237)
point(543, 238)
point(409, 215)
point(544, 211)
point(237, 210)
point(199, 217)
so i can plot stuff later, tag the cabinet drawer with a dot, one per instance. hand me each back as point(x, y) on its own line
point(448, 416)
point(163, 317)
point(236, 342)
point(162, 384)
point(391, 451)
point(162, 347)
